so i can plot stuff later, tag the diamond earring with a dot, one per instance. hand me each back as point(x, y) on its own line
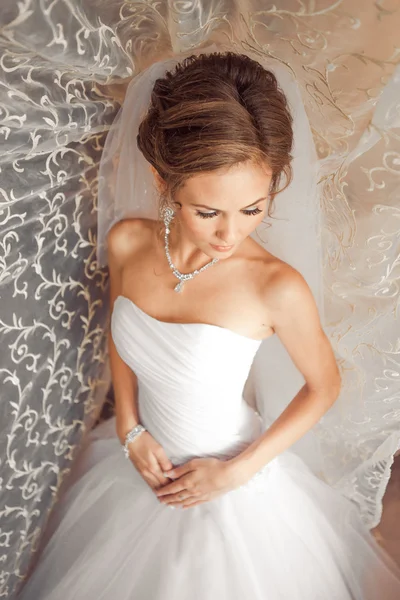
point(167, 215)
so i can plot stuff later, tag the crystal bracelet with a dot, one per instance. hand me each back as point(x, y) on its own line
point(130, 436)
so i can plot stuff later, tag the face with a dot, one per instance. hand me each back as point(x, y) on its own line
point(222, 208)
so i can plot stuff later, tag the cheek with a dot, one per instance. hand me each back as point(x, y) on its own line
point(249, 223)
point(258, 220)
point(197, 228)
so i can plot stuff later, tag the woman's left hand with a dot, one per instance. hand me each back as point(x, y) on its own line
point(199, 480)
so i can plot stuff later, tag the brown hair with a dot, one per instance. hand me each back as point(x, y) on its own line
point(215, 111)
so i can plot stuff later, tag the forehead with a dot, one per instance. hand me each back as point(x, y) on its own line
point(244, 177)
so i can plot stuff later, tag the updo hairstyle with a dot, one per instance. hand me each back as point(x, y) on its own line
point(214, 111)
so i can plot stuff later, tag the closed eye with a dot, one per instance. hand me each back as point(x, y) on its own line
point(203, 215)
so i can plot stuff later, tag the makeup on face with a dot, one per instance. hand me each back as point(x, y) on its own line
point(221, 248)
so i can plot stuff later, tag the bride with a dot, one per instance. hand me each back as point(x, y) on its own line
point(184, 493)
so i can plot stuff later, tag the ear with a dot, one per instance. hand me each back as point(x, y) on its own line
point(160, 183)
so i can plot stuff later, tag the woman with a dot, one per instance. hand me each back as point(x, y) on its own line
point(192, 298)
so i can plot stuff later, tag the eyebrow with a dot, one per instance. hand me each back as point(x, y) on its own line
point(218, 210)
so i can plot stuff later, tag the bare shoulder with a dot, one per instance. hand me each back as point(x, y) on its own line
point(286, 292)
point(294, 316)
point(125, 238)
point(282, 281)
point(268, 270)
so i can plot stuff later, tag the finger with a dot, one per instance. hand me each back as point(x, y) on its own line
point(182, 495)
point(148, 476)
point(189, 503)
point(171, 498)
point(165, 479)
point(150, 479)
point(161, 480)
point(154, 468)
point(164, 462)
point(177, 472)
point(172, 488)
point(185, 507)
point(179, 498)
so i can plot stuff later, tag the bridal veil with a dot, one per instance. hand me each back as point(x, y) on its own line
point(64, 72)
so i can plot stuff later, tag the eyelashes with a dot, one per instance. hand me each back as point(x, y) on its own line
point(254, 211)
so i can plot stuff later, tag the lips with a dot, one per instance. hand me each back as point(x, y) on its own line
point(222, 248)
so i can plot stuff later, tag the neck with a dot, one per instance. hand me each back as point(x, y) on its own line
point(184, 254)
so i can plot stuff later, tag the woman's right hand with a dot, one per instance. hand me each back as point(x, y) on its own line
point(150, 460)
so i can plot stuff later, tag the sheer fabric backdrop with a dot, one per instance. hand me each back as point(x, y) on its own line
point(64, 67)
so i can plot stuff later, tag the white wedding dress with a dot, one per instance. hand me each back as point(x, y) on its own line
point(285, 535)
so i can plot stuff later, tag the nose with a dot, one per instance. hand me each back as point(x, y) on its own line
point(227, 232)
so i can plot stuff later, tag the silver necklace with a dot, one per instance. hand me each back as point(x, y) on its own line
point(168, 215)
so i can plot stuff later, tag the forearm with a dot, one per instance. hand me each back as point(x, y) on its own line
point(125, 392)
point(305, 410)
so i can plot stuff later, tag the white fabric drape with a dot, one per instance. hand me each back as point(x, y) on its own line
point(58, 61)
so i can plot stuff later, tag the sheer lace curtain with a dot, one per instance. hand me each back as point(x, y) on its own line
point(64, 66)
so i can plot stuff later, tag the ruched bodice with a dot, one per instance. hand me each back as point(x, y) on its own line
point(191, 378)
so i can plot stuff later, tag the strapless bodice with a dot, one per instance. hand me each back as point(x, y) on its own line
point(190, 382)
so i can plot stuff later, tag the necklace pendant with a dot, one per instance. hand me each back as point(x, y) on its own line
point(182, 276)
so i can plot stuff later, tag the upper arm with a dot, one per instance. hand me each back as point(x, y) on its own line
point(121, 241)
point(296, 321)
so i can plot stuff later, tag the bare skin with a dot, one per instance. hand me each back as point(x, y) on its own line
point(228, 294)
point(248, 291)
